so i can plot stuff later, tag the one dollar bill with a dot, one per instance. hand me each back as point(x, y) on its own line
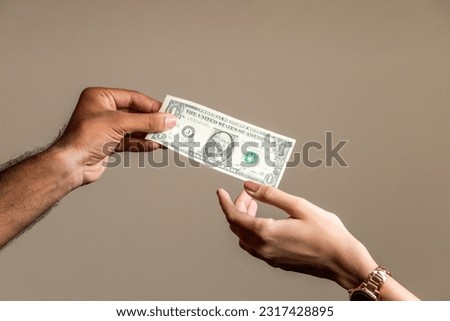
point(224, 143)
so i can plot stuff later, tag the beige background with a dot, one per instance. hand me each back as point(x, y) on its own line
point(376, 73)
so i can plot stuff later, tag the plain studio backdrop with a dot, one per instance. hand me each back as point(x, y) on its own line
point(375, 73)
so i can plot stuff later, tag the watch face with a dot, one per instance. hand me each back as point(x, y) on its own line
point(361, 296)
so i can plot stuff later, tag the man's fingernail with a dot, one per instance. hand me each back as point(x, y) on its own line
point(251, 186)
point(170, 121)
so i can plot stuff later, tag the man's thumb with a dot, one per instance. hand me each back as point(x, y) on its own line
point(149, 123)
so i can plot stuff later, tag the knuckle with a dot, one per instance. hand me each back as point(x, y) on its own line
point(89, 92)
point(153, 121)
point(266, 252)
point(334, 218)
point(259, 227)
point(133, 94)
point(264, 230)
point(269, 193)
point(300, 203)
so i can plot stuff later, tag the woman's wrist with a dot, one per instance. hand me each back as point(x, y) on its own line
point(394, 291)
point(355, 266)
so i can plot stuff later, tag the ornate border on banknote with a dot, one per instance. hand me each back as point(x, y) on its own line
point(224, 143)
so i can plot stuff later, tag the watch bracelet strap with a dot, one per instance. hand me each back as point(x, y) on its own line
point(374, 282)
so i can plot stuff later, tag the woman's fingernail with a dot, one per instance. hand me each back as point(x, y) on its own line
point(251, 186)
point(170, 121)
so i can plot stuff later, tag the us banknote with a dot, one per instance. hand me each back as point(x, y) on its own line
point(224, 143)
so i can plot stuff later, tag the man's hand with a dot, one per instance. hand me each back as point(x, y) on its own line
point(109, 120)
point(311, 240)
point(104, 121)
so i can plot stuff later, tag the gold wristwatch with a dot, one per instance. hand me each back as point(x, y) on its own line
point(370, 289)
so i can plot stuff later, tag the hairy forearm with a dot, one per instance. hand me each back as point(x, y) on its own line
point(29, 188)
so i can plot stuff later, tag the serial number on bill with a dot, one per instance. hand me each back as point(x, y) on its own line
point(295, 311)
